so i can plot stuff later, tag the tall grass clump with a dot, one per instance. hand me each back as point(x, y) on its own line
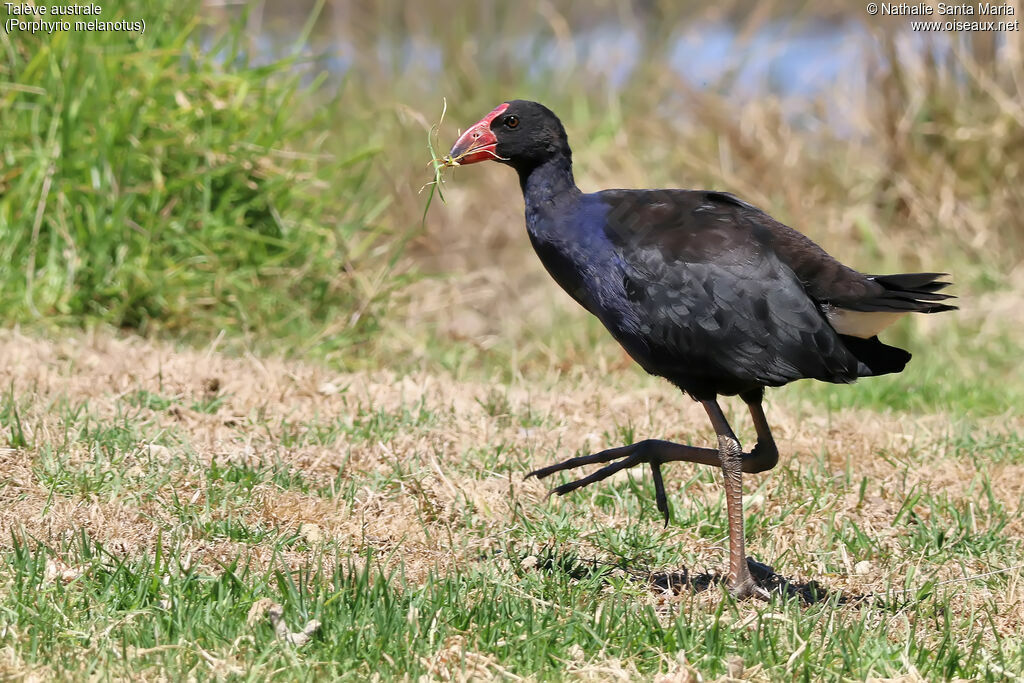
point(165, 182)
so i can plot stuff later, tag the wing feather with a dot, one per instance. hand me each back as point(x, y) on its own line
point(711, 298)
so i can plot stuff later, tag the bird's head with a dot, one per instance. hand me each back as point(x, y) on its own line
point(519, 133)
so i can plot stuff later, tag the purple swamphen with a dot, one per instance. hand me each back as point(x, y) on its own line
point(702, 289)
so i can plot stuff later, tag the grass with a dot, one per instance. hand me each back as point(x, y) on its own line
point(457, 625)
point(248, 365)
point(142, 530)
point(161, 182)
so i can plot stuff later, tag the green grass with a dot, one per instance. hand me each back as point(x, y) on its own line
point(164, 182)
point(516, 585)
point(153, 614)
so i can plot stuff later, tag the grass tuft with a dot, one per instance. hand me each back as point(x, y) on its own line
point(169, 182)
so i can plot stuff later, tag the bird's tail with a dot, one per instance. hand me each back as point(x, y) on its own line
point(908, 293)
point(874, 357)
point(904, 293)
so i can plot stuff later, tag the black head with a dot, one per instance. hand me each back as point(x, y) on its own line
point(519, 133)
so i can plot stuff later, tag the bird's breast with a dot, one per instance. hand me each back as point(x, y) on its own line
point(566, 266)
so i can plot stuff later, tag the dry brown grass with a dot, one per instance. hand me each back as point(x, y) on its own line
point(418, 520)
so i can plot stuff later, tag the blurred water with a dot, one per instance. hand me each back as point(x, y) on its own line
point(792, 55)
point(781, 56)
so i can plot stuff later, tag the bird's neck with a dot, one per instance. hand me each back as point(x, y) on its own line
point(547, 184)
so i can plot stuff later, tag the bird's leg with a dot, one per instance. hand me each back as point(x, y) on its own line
point(656, 453)
point(764, 455)
point(730, 453)
point(651, 451)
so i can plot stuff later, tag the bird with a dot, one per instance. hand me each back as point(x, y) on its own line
point(702, 289)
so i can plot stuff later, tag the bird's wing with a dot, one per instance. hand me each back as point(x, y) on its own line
point(825, 279)
point(709, 296)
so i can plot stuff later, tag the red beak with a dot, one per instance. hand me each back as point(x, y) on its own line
point(478, 143)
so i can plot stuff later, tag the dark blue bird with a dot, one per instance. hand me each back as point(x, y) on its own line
point(702, 289)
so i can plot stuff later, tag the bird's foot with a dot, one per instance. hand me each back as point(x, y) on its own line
point(751, 583)
point(649, 451)
point(741, 590)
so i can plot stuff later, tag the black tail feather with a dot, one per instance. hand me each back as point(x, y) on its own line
point(910, 292)
point(928, 282)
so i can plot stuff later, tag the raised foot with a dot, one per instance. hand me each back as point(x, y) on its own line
point(650, 451)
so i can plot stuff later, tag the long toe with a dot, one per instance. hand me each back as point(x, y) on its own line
point(660, 499)
point(579, 461)
point(602, 473)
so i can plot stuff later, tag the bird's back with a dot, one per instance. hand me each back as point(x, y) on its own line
point(711, 293)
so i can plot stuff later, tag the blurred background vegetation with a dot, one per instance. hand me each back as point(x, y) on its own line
point(252, 172)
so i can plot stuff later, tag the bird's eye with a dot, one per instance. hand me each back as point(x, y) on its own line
point(512, 121)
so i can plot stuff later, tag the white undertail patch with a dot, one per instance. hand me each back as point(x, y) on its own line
point(863, 324)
